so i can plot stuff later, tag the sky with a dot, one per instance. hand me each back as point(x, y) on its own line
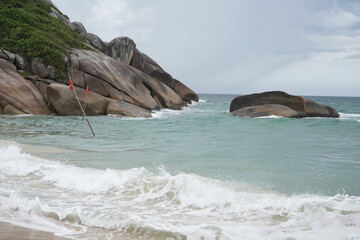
point(303, 47)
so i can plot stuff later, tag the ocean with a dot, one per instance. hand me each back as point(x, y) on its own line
point(198, 173)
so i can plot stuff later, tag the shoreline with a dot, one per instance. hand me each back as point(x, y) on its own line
point(10, 231)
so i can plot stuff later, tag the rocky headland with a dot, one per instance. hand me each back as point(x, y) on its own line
point(34, 75)
point(279, 104)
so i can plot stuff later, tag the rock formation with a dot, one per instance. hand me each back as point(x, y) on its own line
point(20, 96)
point(280, 104)
point(121, 80)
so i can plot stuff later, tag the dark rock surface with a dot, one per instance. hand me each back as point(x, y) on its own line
point(313, 109)
point(276, 97)
point(268, 110)
point(304, 107)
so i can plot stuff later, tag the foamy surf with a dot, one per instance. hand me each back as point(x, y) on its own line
point(87, 202)
point(169, 113)
point(350, 116)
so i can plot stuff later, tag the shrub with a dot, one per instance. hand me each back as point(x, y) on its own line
point(27, 28)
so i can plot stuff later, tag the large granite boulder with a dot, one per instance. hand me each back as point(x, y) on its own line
point(6, 65)
point(165, 95)
point(63, 100)
point(39, 68)
point(21, 94)
point(119, 82)
point(121, 49)
point(302, 107)
point(147, 65)
point(184, 92)
point(116, 107)
point(8, 56)
point(79, 27)
point(20, 62)
point(313, 109)
point(96, 42)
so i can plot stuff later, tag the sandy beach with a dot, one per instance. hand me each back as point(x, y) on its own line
point(12, 232)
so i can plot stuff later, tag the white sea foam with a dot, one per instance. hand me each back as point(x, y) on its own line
point(350, 116)
point(271, 117)
point(140, 201)
point(169, 113)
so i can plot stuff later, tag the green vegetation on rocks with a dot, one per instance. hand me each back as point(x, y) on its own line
point(28, 29)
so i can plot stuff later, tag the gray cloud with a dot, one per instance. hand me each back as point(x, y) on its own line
point(238, 46)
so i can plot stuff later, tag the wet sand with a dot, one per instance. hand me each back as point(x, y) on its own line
point(12, 232)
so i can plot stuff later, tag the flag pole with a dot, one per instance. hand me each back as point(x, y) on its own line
point(84, 115)
point(86, 92)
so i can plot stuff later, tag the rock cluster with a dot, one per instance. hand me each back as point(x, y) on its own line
point(279, 104)
point(121, 80)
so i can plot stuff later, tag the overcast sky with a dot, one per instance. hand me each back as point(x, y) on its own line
point(304, 47)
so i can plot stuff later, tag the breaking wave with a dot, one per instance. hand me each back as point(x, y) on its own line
point(76, 201)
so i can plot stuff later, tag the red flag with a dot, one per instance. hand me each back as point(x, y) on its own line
point(87, 90)
point(71, 86)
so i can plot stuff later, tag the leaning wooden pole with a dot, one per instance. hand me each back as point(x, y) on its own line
point(84, 114)
point(85, 102)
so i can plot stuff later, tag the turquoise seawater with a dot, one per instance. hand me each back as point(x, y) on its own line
point(295, 164)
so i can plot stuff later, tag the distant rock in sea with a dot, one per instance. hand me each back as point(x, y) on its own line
point(121, 79)
point(279, 104)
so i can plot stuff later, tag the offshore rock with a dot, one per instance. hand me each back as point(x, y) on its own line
point(268, 110)
point(305, 107)
point(313, 109)
point(21, 94)
point(121, 49)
